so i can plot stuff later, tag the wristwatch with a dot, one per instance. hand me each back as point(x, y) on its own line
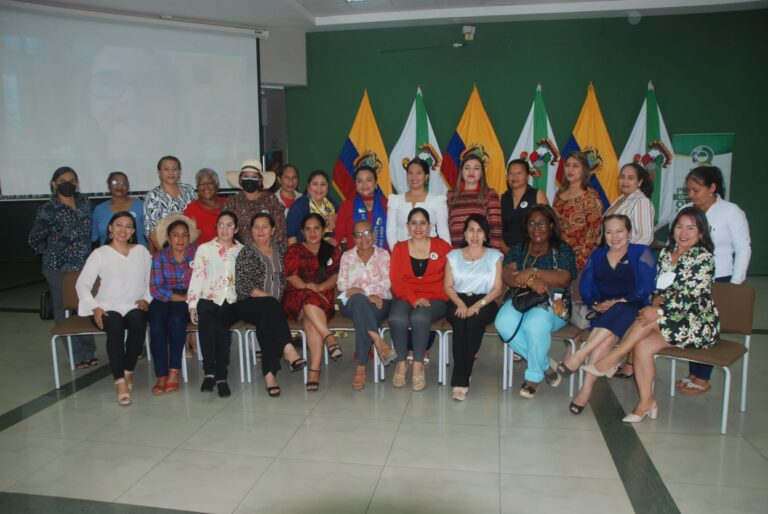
point(483, 302)
point(660, 312)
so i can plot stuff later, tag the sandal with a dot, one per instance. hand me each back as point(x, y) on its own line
point(552, 377)
point(313, 385)
point(334, 350)
point(358, 383)
point(82, 365)
point(460, 393)
point(527, 390)
point(159, 387)
point(398, 378)
point(418, 381)
point(575, 408)
point(622, 373)
point(694, 388)
point(93, 361)
point(388, 358)
point(129, 380)
point(273, 391)
point(297, 365)
point(173, 383)
point(565, 370)
point(123, 395)
point(682, 383)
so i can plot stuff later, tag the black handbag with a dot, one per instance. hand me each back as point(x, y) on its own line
point(46, 305)
point(525, 298)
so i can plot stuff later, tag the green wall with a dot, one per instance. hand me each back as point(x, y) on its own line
point(709, 72)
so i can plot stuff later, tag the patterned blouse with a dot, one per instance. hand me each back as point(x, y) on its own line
point(62, 234)
point(247, 209)
point(690, 317)
point(468, 203)
point(254, 270)
point(213, 274)
point(580, 221)
point(169, 274)
point(158, 204)
point(372, 278)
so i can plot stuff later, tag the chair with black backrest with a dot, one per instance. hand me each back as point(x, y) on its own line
point(736, 304)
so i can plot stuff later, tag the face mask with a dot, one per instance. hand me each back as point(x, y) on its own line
point(66, 189)
point(251, 185)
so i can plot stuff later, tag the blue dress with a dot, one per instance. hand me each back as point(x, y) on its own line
point(615, 283)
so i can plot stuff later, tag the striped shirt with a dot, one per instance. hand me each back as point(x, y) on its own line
point(468, 203)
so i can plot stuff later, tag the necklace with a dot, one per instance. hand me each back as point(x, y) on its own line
point(535, 257)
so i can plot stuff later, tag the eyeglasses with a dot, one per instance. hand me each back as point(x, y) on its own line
point(538, 224)
point(118, 182)
point(225, 225)
point(364, 233)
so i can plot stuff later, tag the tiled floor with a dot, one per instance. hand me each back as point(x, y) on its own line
point(379, 450)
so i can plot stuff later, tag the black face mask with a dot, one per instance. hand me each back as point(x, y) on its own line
point(251, 185)
point(66, 189)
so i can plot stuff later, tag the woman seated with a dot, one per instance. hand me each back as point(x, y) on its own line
point(211, 297)
point(616, 282)
point(260, 284)
point(168, 315)
point(546, 265)
point(121, 304)
point(682, 312)
point(417, 272)
point(311, 269)
point(364, 284)
point(368, 204)
point(316, 200)
point(472, 283)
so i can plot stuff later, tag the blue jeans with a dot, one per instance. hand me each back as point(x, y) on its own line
point(534, 338)
point(704, 371)
point(167, 328)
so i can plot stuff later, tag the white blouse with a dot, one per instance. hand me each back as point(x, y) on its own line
point(729, 231)
point(397, 217)
point(639, 209)
point(476, 277)
point(213, 274)
point(124, 279)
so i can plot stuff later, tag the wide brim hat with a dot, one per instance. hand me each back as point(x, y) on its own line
point(161, 231)
point(269, 177)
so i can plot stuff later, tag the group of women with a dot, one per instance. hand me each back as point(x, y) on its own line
point(270, 257)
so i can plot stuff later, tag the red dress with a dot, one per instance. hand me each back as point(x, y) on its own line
point(580, 223)
point(300, 261)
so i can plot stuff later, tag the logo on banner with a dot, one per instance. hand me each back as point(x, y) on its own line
point(426, 153)
point(702, 156)
point(545, 155)
point(657, 157)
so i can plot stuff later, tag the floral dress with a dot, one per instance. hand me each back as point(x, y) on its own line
point(303, 263)
point(580, 219)
point(690, 317)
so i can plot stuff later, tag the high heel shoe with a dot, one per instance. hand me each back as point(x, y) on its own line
point(334, 350)
point(123, 395)
point(592, 370)
point(635, 418)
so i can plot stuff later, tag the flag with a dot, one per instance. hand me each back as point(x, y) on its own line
point(363, 144)
point(650, 146)
point(417, 140)
point(590, 136)
point(537, 145)
point(475, 130)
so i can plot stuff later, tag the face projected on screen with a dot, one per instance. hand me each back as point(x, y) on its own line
point(131, 100)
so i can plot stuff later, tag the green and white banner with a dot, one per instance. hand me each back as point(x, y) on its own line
point(694, 150)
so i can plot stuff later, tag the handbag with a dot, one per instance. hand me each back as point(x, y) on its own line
point(46, 305)
point(525, 298)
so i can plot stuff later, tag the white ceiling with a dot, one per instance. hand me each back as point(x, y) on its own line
point(315, 15)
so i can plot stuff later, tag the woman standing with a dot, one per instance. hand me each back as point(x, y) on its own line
point(519, 198)
point(636, 188)
point(400, 205)
point(369, 204)
point(120, 306)
point(254, 198)
point(547, 265)
point(62, 233)
point(473, 196)
point(682, 312)
point(472, 283)
point(579, 209)
point(260, 284)
point(315, 200)
point(311, 269)
point(288, 180)
point(168, 285)
point(417, 272)
point(617, 282)
point(364, 283)
point(120, 200)
point(729, 231)
point(211, 298)
point(206, 209)
point(170, 197)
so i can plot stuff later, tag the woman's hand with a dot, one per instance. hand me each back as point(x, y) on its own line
point(540, 286)
point(523, 276)
point(603, 306)
point(312, 287)
point(257, 293)
point(472, 311)
point(353, 291)
point(461, 310)
point(176, 297)
point(378, 302)
point(657, 300)
point(193, 315)
point(421, 302)
point(98, 314)
point(142, 305)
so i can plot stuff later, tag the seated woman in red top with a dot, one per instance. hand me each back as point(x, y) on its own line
point(417, 272)
point(311, 270)
point(369, 204)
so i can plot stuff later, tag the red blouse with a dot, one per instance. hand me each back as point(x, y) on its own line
point(409, 287)
point(205, 218)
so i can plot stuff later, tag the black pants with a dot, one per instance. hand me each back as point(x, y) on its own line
point(214, 322)
point(271, 329)
point(124, 350)
point(467, 336)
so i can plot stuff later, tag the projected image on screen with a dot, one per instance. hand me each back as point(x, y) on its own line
point(103, 96)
